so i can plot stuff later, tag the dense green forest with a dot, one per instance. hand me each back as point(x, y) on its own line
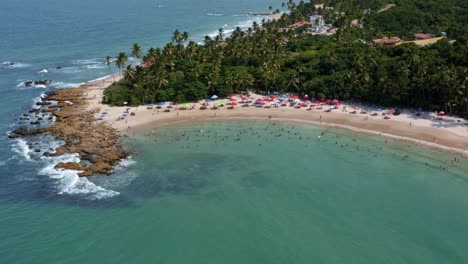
point(267, 58)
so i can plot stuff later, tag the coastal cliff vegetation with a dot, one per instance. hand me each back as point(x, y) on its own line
point(272, 56)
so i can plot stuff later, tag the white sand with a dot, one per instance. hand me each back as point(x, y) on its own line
point(446, 133)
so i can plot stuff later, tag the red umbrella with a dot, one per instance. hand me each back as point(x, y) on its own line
point(322, 99)
point(233, 103)
point(232, 95)
point(294, 97)
point(273, 96)
point(328, 101)
point(244, 99)
point(441, 113)
point(316, 101)
point(206, 104)
point(233, 100)
point(306, 96)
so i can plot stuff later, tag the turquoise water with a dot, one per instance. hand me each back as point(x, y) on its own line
point(253, 192)
point(216, 192)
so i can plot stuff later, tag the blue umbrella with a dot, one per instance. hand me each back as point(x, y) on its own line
point(214, 97)
point(208, 101)
point(170, 106)
point(152, 105)
point(379, 110)
point(124, 115)
point(161, 103)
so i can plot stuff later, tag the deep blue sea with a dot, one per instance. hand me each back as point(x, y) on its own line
point(210, 192)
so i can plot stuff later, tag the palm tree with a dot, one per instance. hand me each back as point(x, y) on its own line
point(108, 62)
point(136, 51)
point(176, 36)
point(129, 74)
point(121, 60)
point(185, 36)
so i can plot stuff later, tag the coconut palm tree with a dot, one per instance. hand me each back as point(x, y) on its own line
point(121, 60)
point(129, 73)
point(108, 63)
point(136, 51)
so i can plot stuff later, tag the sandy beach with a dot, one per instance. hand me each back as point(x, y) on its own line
point(447, 133)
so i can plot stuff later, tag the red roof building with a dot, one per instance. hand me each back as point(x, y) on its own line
point(420, 36)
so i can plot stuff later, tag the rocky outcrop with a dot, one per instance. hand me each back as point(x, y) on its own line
point(97, 144)
point(23, 132)
point(38, 82)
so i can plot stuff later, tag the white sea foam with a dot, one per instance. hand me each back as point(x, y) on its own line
point(14, 65)
point(60, 85)
point(2, 163)
point(21, 147)
point(88, 61)
point(214, 14)
point(67, 182)
point(121, 176)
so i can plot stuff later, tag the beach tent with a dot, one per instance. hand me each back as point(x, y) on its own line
point(208, 101)
point(214, 97)
point(218, 104)
point(232, 100)
point(161, 103)
point(186, 106)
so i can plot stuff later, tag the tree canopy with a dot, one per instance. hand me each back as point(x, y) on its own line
point(269, 57)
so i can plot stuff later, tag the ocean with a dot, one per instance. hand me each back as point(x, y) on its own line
point(209, 192)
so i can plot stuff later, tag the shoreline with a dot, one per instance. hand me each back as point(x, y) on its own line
point(446, 135)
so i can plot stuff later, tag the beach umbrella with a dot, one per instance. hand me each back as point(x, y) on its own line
point(206, 104)
point(161, 103)
point(125, 103)
point(244, 99)
point(152, 105)
point(170, 106)
point(334, 101)
point(328, 101)
point(379, 110)
point(441, 113)
point(233, 103)
point(331, 107)
point(186, 105)
point(125, 115)
point(306, 97)
point(214, 97)
point(273, 96)
point(218, 104)
point(294, 97)
point(208, 101)
point(232, 100)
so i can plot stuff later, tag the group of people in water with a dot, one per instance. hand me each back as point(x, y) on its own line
point(197, 138)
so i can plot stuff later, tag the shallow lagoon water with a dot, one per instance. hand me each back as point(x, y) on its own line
point(263, 192)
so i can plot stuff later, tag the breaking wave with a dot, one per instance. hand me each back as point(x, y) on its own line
point(14, 65)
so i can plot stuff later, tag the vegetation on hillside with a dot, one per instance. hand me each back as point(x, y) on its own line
point(265, 59)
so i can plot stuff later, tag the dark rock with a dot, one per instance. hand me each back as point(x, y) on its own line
point(35, 123)
point(44, 103)
point(22, 132)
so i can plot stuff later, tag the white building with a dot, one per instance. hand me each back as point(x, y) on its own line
point(316, 23)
